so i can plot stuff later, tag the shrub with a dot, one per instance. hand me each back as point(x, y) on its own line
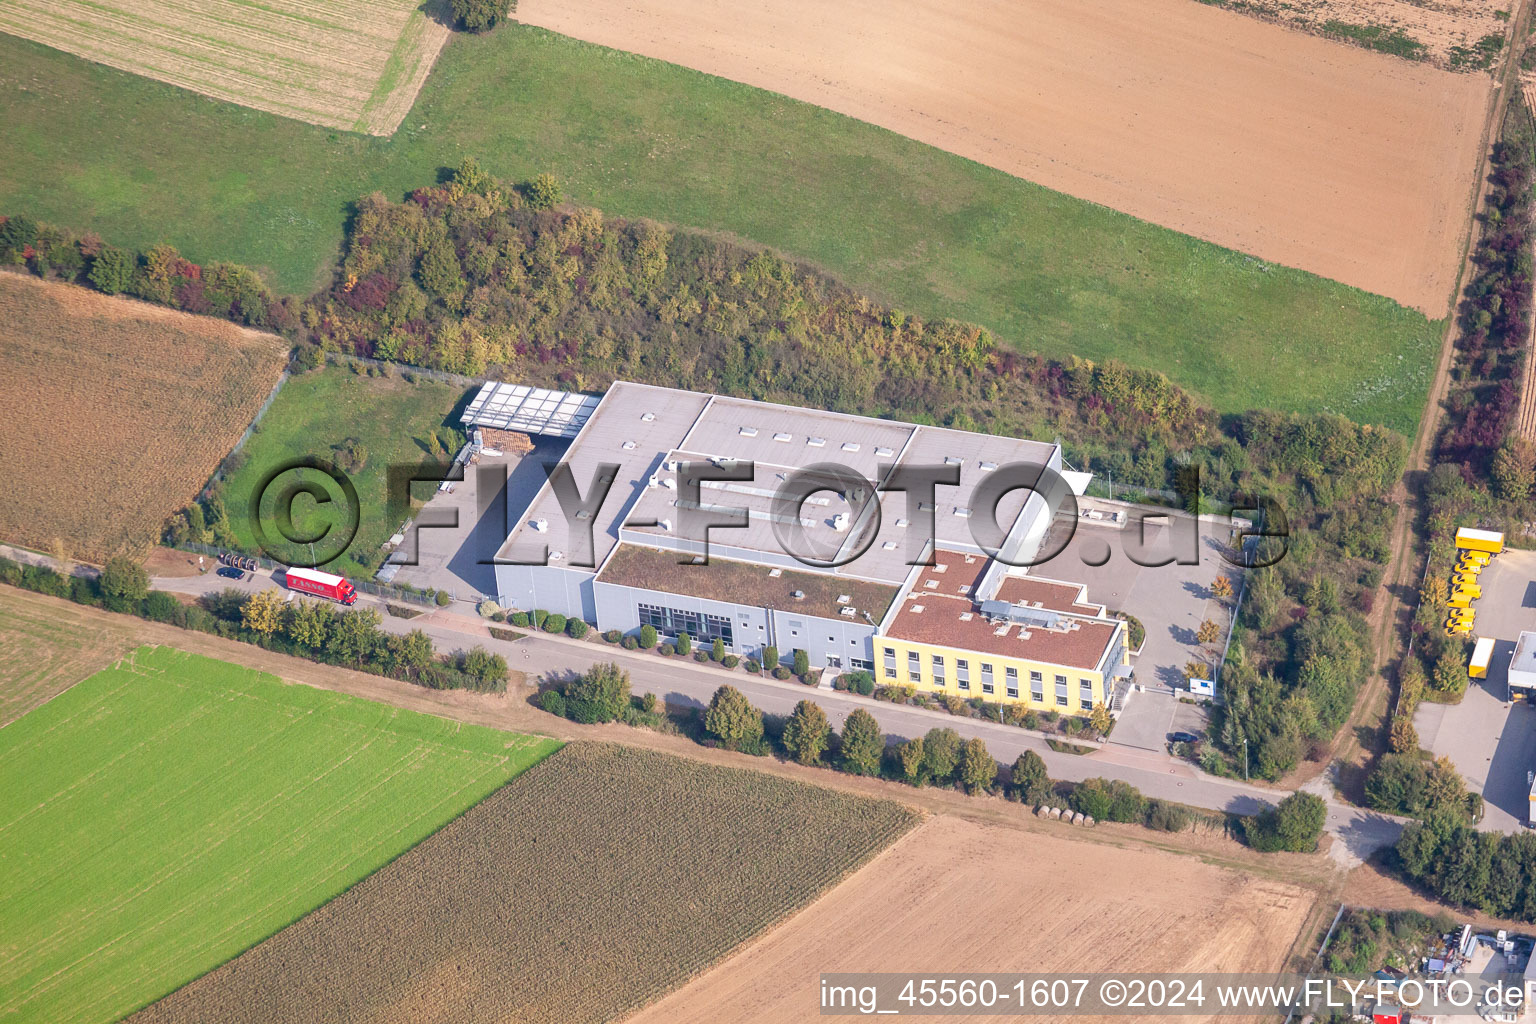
point(553, 702)
point(1166, 817)
point(480, 15)
point(807, 733)
point(864, 684)
point(539, 615)
point(668, 650)
point(112, 269)
point(717, 649)
point(862, 744)
point(730, 661)
point(781, 672)
point(629, 643)
point(124, 581)
point(909, 760)
point(1294, 825)
point(647, 636)
point(1108, 800)
point(957, 705)
point(613, 636)
point(684, 643)
point(701, 656)
point(488, 608)
point(732, 719)
point(443, 599)
point(752, 666)
point(544, 192)
point(599, 695)
point(941, 754)
point(802, 662)
point(499, 617)
point(1402, 737)
point(554, 623)
point(575, 628)
point(158, 606)
point(770, 657)
point(648, 703)
point(978, 768)
point(1031, 782)
point(520, 618)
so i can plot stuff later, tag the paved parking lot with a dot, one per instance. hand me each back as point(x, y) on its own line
point(457, 558)
point(1491, 742)
point(1150, 715)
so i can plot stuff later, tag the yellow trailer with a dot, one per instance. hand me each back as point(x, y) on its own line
point(1489, 541)
point(1482, 654)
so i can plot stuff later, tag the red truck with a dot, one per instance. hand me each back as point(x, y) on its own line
point(321, 584)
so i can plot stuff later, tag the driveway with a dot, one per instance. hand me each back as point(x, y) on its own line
point(1150, 715)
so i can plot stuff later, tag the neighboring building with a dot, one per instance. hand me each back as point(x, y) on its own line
point(1522, 668)
point(644, 565)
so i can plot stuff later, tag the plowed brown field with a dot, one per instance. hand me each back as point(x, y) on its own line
point(354, 64)
point(1296, 149)
point(963, 897)
point(116, 412)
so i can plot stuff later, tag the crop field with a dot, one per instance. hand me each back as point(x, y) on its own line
point(116, 412)
point(915, 227)
point(314, 414)
point(1063, 905)
point(354, 64)
point(600, 879)
point(1459, 35)
point(172, 810)
point(40, 656)
point(1150, 107)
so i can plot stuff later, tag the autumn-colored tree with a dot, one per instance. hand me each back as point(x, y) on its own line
point(1101, 719)
point(1208, 633)
point(263, 613)
point(1402, 737)
point(1221, 587)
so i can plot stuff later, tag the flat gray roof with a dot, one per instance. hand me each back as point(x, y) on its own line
point(1523, 661)
point(642, 428)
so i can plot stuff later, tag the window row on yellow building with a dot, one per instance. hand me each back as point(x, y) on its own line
point(949, 670)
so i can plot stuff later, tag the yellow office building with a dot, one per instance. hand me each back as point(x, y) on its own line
point(1033, 641)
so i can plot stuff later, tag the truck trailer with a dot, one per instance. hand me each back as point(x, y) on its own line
point(1482, 655)
point(1489, 541)
point(321, 584)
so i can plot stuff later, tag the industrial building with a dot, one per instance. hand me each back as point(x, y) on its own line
point(967, 624)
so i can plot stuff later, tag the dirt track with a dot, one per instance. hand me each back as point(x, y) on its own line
point(959, 896)
point(1299, 150)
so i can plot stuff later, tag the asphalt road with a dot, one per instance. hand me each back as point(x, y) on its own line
point(687, 683)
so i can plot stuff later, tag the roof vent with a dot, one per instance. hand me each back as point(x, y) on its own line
point(584, 514)
point(902, 523)
point(840, 522)
point(629, 446)
point(775, 572)
point(966, 616)
point(850, 446)
point(965, 588)
point(1001, 630)
point(665, 524)
point(816, 442)
point(941, 568)
point(917, 609)
point(889, 545)
point(931, 584)
point(748, 431)
point(669, 483)
point(847, 612)
point(962, 512)
point(781, 437)
point(654, 481)
point(647, 416)
point(987, 467)
point(798, 595)
point(843, 598)
point(555, 556)
point(881, 451)
point(541, 525)
point(953, 460)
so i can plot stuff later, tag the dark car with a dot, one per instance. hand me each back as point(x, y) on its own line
point(1183, 737)
point(229, 572)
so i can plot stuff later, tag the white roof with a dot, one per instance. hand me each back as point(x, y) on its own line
point(1493, 536)
point(315, 576)
point(1483, 652)
point(1522, 667)
point(531, 410)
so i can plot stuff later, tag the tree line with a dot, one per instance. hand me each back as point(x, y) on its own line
point(352, 638)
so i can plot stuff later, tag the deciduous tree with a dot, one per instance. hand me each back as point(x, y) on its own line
point(807, 733)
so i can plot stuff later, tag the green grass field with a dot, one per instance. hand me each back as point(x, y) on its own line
point(918, 228)
point(317, 410)
point(171, 811)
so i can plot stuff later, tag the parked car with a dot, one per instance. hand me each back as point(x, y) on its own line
point(1183, 737)
point(229, 572)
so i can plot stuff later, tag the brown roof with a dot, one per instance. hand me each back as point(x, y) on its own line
point(946, 594)
point(634, 565)
point(1079, 643)
point(1051, 594)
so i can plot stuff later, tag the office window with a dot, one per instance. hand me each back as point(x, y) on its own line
point(862, 664)
point(1013, 681)
point(1037, 687)
point(1061, 691)
point(672, 621)
point(938, 671)
point(914, 667)
point(1085, 694)
point(963, 673)
point(986, 678)
point(890, 663)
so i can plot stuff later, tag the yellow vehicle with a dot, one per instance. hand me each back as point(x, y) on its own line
point(1454, 628)
point(1455, 612)
point(1477, 558)
point(1482, 654)
point(1470, 590)
point(1463, 577)
point(1480, 540)
point(1460, 602)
